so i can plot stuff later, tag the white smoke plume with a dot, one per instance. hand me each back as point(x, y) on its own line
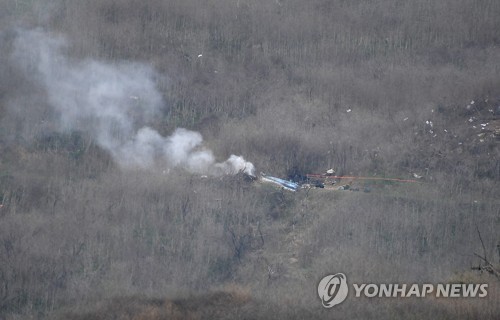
point(114, 102)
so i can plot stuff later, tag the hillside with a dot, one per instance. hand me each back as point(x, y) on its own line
point(133, 134)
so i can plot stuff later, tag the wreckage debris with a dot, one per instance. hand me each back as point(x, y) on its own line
point(330, 172)
point(327, 180)
point(287, 185)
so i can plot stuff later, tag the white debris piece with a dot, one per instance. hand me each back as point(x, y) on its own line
point(348, 110)
point(484, 124)
point(429, 123)
point(405, 119)
point(472, 102)
point(471, 119)
point(200, 55)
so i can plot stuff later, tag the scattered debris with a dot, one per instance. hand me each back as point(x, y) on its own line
point(352, 178)
point(326, 181)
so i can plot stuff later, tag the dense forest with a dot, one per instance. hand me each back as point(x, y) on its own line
point(117, 117)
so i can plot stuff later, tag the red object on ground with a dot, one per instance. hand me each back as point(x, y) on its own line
point(358, 178)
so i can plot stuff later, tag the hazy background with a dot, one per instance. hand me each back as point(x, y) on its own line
point(117, 117)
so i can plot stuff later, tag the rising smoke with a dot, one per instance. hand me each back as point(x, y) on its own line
point(113, 103)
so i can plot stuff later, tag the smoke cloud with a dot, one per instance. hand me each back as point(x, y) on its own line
point(114, 102)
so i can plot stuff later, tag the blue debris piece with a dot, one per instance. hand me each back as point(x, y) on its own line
point(288, 185)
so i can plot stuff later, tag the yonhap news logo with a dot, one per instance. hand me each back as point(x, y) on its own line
point(333, 290)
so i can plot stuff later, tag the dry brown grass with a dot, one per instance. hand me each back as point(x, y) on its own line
point(274, 84)
point(216, 305)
